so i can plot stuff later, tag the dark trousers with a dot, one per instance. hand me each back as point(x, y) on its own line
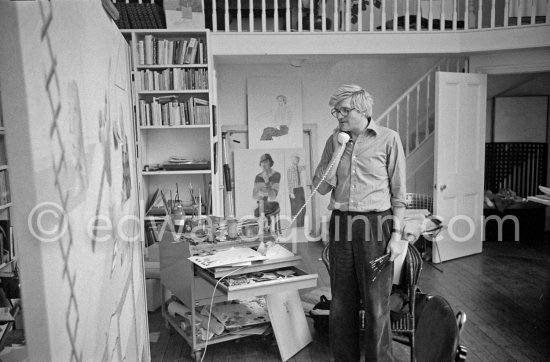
point(356, 239)
point(296, 203)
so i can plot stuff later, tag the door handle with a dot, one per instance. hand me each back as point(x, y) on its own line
point(442, 187)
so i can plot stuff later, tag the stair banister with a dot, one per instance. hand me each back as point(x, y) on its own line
point(411, 88)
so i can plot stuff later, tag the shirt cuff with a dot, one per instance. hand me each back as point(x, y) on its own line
point(331, 181)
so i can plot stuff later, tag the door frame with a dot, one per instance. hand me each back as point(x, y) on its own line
point(442, 178)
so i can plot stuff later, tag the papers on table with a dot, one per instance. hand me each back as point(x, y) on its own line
point(233, 256)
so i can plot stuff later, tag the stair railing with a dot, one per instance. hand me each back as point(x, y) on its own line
point(412, 114)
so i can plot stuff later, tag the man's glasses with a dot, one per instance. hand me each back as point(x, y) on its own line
point(343, 111)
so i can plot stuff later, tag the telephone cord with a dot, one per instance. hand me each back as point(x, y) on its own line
point(340, 152)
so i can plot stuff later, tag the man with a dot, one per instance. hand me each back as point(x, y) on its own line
point(367, 185)
point(295, 181)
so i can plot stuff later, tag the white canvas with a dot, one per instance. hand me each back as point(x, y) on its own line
point(274, 112)
point(72, 94)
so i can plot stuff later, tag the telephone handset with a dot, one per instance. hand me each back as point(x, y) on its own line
point(343, 138)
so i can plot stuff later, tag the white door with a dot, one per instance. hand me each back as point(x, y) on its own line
point(459, 162)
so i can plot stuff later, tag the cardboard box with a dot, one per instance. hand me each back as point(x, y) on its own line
point(153, 290)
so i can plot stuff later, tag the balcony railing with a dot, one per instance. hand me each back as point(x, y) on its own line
point(364, 16)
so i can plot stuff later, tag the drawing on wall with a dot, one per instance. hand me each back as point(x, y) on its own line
point(258, 180)
point(121, 142)
point(77, 156)
point(272, 179)
point(274, 112)
point(296, 182)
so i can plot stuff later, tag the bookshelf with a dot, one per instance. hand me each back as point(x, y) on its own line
point(177, 140)
point(7, 252)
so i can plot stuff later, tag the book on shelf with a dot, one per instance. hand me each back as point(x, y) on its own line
point(173, 52)
point(174, 79)
point(141, 52)
point(133, 16)
point(191, 51)
point(123, 21)
point(201, 109)
point(156, 15)
point(182, 50)
point(201, 52)
point(5, 197)
point(144, 21)
point(6, 241)
point(3, 158)
point(169, 111)
point(148, 49)
point(152, 20)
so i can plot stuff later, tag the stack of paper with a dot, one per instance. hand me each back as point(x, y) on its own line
point(233, 256)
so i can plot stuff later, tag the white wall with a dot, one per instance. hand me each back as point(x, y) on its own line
point(510, 62)
point(385, 78)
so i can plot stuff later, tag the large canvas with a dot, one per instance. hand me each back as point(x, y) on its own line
point(286, 165)
point(274, 112)
point(76, 211)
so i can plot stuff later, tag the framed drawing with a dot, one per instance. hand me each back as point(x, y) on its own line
point(274, 112)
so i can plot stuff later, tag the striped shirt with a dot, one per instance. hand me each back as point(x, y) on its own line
point(294, 178)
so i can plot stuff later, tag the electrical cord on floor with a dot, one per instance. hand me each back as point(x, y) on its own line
point(211, 306)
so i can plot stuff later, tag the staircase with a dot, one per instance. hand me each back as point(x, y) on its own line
point(412, 115)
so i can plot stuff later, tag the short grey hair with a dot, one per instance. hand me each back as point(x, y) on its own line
point(360, 99)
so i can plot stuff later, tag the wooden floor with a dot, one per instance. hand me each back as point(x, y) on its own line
point(505, 292)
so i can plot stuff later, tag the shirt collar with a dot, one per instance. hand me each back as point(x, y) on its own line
point(373, 127)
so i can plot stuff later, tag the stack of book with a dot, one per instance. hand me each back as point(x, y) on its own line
point(155, 51)
point(174, 79)
point(139, 16)
point(169, 111)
